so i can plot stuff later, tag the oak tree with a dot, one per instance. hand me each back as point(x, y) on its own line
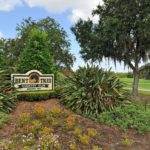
point(121, 34)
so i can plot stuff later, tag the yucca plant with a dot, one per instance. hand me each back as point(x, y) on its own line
point(7, 99)
point(92, 90)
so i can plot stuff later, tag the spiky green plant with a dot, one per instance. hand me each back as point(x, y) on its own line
point(92, 90)
point(7, 100)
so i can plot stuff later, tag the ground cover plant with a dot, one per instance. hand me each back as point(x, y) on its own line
point(92, 90)
point(4, 118)
point(135, 116)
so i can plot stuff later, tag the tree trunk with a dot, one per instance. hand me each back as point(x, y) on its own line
point(135, 83)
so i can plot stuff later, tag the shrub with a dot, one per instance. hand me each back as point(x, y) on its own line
point(7, 99)
point(127, 142)
point(55, 123)
point(49, 118)
point(25, 129)
point(7, 103)
point(92, 90)
point(37, 126)
point(24, 119)
point(4, 118)
point(73, 146)
point(121, 74)
point(85, 139)
point(56, 112)
point(48, 142)
point(96, 148)
point(35, 96)
point(70, 121)
point(132, 116)
point(28, 140)
point(6, 144)
point(58, 86)
point(92, 132)
point(39, 111)
point(45, 131)
point(77, 131)
point(36, 54)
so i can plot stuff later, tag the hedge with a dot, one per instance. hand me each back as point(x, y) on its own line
point(36, 95)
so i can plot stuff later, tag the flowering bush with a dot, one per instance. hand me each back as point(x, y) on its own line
point(46, 131)
point(70, 121)
point(73, 146)
point(127, 142)
point(28, 140)
point(39, 111)
point(78, 131)
point(24, 118)
point(56, 112)
point(6, 144)
point(37, 126)
point(85, 139)
point(96, 148)
point(48, 142)
point(25, 129)
point(92, 132)
point(49, 118)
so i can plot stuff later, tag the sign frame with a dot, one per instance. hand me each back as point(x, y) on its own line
point(33, 80)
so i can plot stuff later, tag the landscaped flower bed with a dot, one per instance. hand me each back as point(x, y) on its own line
point(35, 125)
point(43, 130)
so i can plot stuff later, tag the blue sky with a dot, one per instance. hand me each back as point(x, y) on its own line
point(65, 12)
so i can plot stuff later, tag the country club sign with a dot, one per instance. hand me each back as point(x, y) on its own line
point(33, 81)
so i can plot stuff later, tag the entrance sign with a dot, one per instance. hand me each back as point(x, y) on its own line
point(33, 80)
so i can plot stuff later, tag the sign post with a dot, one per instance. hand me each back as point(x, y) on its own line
point(33, 80)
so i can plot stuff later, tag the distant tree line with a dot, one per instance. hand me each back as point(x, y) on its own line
point(124, 74)
point(145, 71)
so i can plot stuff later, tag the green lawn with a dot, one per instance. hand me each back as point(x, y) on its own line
point(143, 84)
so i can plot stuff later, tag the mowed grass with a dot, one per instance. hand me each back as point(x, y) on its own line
point(143, 84)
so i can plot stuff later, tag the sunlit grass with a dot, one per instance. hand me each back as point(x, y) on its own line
point(143, 84)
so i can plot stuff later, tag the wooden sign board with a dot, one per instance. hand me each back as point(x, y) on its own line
point(33, 80)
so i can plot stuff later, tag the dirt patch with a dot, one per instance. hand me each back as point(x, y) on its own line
point(141, 98)
point(109, 138)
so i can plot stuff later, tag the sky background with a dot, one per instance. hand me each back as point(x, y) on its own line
point(65, 12)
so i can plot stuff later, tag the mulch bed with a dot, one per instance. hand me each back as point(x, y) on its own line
point(109, 138)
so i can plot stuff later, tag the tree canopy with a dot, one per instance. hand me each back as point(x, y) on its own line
point(121, 34)
point(58, 42)
point(36, 54)
point(58, 39)
point(2, 58)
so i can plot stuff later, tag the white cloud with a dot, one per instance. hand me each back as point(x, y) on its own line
point(52, 6)
point(84, 9)
point(1, 35)
point(79, 8)
point(7, 5)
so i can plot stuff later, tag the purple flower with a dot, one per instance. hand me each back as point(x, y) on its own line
point(39, 147)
